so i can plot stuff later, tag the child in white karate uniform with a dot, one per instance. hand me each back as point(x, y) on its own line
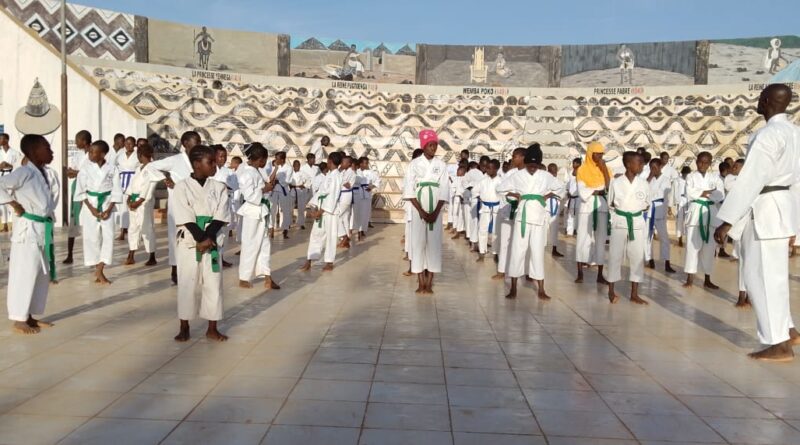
point(593, 178)
point(127, 161)
point(83, 139)
point(9, 160)
point(301, 185)
point(426, 187)
point(140, 204)
point(471, 182)
point(681, 204)
point(554, 211)
point(99, 189)
point(325, 229)
point(660, 190)
point(409, 209)
point(506, 215)
point(489, 206)
point(283, 182)
point(628, 199)
point(345, 204)
point(226, 176)
point(573, 199)
point(704, 191)
point(532, 186)
point(201, 210)
point(28, 192)
point(255, 211)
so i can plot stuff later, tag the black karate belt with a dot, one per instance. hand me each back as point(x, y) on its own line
point(774, 188)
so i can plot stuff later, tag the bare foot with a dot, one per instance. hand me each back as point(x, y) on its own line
point(67, 260)
point(216, 335)
point(557, 254)
point(129, 261)
point(499, 276)
point(480, 259)
point(183, 335)
point(529, 279)
point(407, 273)
point(420, 290)
point(102, 280)
point(579, 279)
point(245, 284)
point(151, 262)
point(651, 264)
point(269, 284)
point(613, 298)
point(456, 236)
point(689, 281)
point(285, 236)
point(21, 327)
point(638, 300)
point(511, 295)
point(543, 296)
point(306, 267)
point(782, 352)
point(601, 280)
point(34, 323)
point(226, 264)
point(794, 337)
point(709, 285)
point(668, 268)
point(744, 302)
point(328, 267)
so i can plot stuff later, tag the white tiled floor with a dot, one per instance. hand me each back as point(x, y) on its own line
point(356, 357)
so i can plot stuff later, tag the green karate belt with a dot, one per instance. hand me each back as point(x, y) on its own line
point(429, 186)
point(524, 199)
point(629, 220)
point(101, 199)
point(705, 209)
point(48, 240)
point(203, 222)
point(75, 207)
point(514, 204)
point(321, 199)
point(133, 197)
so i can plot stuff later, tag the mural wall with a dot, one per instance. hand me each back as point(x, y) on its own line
point(379, 62)
point(213, 49)
point(752, 60)
point(90, 32)
point(500, 66)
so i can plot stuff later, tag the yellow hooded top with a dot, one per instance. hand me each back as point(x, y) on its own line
point(589, 172)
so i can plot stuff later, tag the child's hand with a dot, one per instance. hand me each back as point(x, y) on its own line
point(205, 246)
point(169, 183)
point(105, 215)
point(18, 209)
point(267, 188)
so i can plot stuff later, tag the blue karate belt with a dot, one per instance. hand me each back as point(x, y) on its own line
point(283, 189)
point(491, 205)
point(652, 219)
point(125, 179)
point(553, 201)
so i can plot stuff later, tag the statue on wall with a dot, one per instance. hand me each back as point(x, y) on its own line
point(626, 63)
point(501, 66)
point(774, 60)
point(203, 41)
point(478, 71)
point(352, 63)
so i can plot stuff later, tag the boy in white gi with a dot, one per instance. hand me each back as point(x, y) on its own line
point(201, 210)
point(228, 177)
point(98, 187)
point(255, 211)
point(126, 162)
point(471, 181)
point(490, 205)
point(660, 190)
point(457, 191)
point(426, 187)
point(762, 213)
point(283, 181)
point(573, 199)
point(345, 206)
point(9, 160)
point(301, 185)
point(704, 190)
point(743, 300)
point(325, 229)
point(628, 199)
point(507, 214)
point(28, 192)
point(554, 210)
point(371, 181)
point(593, 178)
point(171, 170)
point(83, 139)
point(532, 187)
point(681, 204)
point(140, 203)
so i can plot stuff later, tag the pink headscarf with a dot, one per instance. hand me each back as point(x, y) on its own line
point(426, 137)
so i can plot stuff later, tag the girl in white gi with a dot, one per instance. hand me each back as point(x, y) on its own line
point(255, 211)
point(506, 216)
point(325, 230)
point(426, 187)
point(409, 214)
point(358, 197)
point(83, 139)
point(762, 213)
point(593, 178)
point(201, 210)
point(628, 199)
point(346, 200)
point(226, 176)
point(140, 204)
point(311, 170)
point(660, 190)
point(301, 186)
point(27, 191)
point(370, 182)
point(9, 160)
point(236, 224)
point(532, 187)
point(98, 187)
point(172, 170)
point(681, 204)
point(553, 210)
point(457, 191)
point(490, 205)
point(472, 179)
point(283, 181)
point(573, 199)
point(704, 191)
point(126, 161)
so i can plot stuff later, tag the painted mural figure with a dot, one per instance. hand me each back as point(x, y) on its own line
point(501, 67)
point(773, 58)
point(626, 63)
point(352, 64)
point(203, 40)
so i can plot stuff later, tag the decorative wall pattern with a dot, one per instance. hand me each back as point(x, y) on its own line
point(91, 32)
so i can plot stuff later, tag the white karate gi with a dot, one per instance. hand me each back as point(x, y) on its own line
point(345, 206)
point(506, 216)
point(141, 220)
point(457, 216)
point(179, 168)
point(699, 252)
point(452, 174)
point(98, 236)
point(590, 245)
point(488, 223)
point(531, 218)
point(14, 158)
point(632, 197)
point(672, 175)
point(553, 211)
point(473, 179)
point(656, 217)
point(301, 187)
point(28, 270)
point(360, 196)
point(228, 177)
point(325, 230)
point(190, 200)
point(764, 221)
point(126, 166)
point(681, 204)
point(318, 151)
point(573, 202)
point(254, 260)
point(426, 239)
point(283, 181)
point(76, 161)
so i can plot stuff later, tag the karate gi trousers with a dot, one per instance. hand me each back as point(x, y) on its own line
point(425, 247)
point(98, 239)
point(199, 287)
point(487, 227)
point(590, 247)
point(529, 246)
point(142, 227)
point(324, 237)
point(620, 248)
point(28, 280)
point(254, 260)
